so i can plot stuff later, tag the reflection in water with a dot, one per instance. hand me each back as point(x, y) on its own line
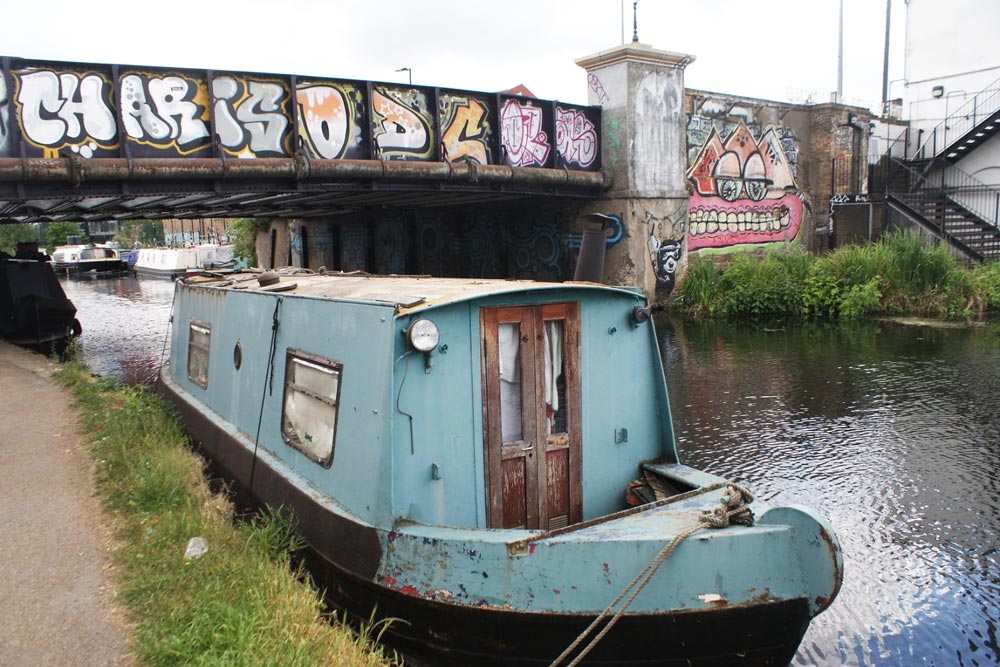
point(891, 431)
point(125, 324)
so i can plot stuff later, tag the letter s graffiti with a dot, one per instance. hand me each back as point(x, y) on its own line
point(250, 117)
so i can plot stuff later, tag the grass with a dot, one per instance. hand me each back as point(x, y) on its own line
point(899, 275)
point(242, 602)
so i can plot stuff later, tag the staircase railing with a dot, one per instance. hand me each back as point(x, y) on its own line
point(966, 117)
point(949, 184)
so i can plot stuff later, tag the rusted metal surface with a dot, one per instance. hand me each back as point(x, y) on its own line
point(14, 170)
point(833, 550)
point(49, 189)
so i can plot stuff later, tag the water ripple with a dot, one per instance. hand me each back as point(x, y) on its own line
point(889, 431)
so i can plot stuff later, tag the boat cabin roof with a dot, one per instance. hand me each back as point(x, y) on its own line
point(405, 293)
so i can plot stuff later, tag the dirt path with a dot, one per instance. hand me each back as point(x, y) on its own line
point(57, 604)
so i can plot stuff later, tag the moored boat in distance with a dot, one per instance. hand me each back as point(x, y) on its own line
point(87, 258)
point(493, 464)
point(179, 262)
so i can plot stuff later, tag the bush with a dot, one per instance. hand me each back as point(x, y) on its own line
point(755, 288)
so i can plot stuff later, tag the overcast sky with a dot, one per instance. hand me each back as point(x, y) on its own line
point(773, 49)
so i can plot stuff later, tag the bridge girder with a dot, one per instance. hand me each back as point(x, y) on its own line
point(52, 189)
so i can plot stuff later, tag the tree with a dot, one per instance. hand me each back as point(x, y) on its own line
point(243, 231)
point(146, 232)
point(11, 235)
point(57, 232)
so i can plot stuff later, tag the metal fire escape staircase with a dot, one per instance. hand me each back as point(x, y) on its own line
point(962, 131)
point(954, 206)
point(936, 194)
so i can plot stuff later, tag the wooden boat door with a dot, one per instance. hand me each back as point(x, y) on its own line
point(531, 415)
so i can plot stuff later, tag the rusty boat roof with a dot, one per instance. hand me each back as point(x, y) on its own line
point(405, 293)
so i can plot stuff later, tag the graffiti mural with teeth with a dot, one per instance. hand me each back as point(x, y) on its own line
point(743, 192)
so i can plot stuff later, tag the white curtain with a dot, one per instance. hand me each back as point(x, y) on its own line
point(553, 367)
point(509, 344)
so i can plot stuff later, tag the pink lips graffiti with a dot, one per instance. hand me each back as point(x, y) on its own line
point(744, 192)
point(714, 222)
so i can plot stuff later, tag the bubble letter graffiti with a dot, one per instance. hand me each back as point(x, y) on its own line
point(465, 130)
point(67, 109)
point(576, 139)
point(164, 111)
point(523, 139)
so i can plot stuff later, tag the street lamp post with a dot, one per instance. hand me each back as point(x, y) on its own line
point(409, 73)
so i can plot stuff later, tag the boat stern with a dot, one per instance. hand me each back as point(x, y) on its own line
point(815, 547)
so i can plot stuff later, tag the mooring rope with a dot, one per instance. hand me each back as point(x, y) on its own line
point(733, 509)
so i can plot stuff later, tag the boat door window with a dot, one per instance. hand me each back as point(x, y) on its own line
point(509, 357)
point(309, 410)
point(199, 344)
point(531, 415)
point(555, 378)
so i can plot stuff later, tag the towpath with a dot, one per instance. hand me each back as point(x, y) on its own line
point(57, 604)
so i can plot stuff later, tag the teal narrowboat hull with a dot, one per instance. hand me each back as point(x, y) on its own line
point(467, 590)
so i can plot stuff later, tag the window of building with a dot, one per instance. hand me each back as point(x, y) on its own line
point(309, 412)
point(199, 338)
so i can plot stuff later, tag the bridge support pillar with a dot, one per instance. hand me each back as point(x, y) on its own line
point(644, 144)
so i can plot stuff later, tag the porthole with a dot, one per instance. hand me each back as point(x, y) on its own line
point(238, 355)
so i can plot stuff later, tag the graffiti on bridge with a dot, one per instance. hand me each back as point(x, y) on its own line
point(331, 116)
point(54, 110)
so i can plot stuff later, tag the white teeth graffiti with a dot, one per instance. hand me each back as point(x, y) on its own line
point(711, 221)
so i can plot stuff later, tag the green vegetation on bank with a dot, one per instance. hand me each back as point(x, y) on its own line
point(242, 602)
point(244, 234)
point(57, 233)
point(898, 275)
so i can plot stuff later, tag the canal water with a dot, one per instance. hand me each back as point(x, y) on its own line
point(891, 430)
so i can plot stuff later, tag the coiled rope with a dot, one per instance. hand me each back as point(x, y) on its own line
point(733, 509)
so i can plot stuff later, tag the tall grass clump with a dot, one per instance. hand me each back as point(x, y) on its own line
point(240, 604)
point(985, 285)
point(917, 277)
point(701, 289)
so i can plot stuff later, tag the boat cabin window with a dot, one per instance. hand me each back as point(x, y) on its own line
point(309, 411)
point(199, 338)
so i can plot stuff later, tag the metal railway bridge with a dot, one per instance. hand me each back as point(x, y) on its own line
point(90, 142)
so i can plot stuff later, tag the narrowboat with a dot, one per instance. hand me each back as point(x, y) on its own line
point(172, 263)
point(492, 464)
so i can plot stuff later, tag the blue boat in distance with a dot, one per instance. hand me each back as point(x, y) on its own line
point(492, 463)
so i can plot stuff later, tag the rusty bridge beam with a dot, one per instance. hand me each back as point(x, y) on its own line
point(76, 170)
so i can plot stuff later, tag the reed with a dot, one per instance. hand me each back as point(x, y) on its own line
point(701, 288)
point(241, 603)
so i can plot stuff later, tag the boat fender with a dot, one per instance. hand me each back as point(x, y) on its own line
point(76, 328)
point(268, 278)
